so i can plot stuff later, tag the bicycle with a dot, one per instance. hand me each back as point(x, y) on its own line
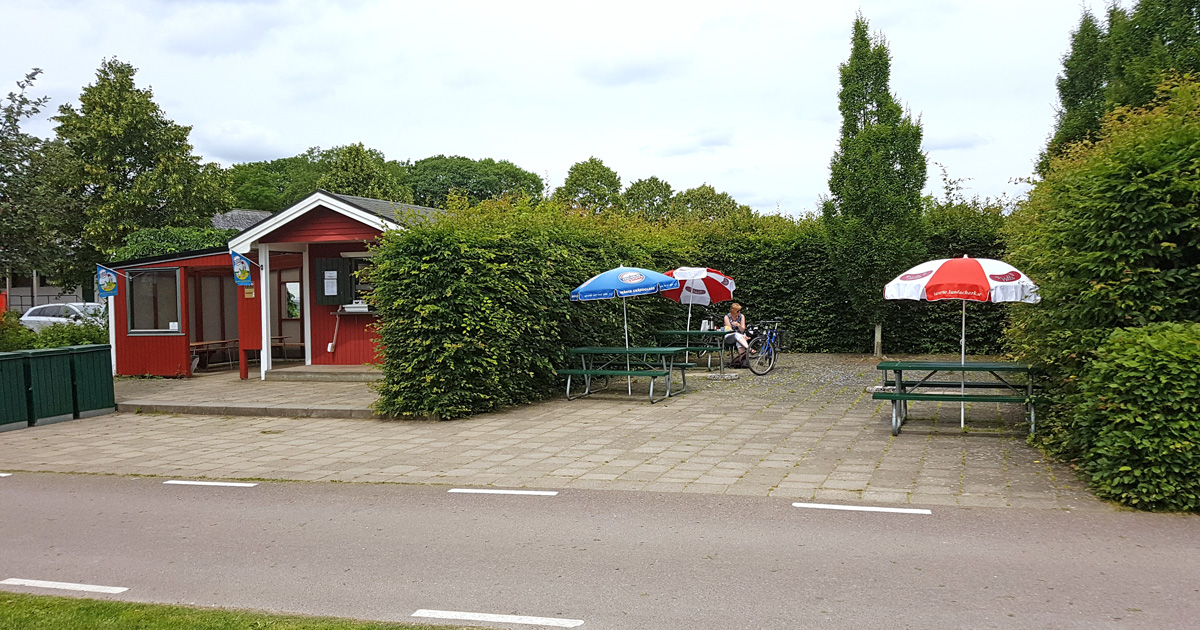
point(765, 347)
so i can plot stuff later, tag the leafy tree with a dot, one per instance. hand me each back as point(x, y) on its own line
point(592, 186)
point(433, 178)
point(1120, 64)
point(1153, 39)
point(876, 177)
point(170, 240)
point(21, 221)
point(135, 168)
point(1080, 88)
point(276, 184)
point(649, 198)
point(359, 171)
point(705, 203)
point(256, 187)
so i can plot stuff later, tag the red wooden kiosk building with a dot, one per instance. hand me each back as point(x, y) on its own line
point(174, 312)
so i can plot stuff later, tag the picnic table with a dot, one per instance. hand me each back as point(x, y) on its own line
point(604, 362)
point(900, 391)
point(202, 351)
point(688, 335)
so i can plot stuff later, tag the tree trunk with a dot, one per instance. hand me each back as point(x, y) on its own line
point(878, 340)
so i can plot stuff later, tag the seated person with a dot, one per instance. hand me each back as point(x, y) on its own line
point(736, 322)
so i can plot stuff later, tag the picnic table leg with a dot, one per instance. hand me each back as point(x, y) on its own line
point(682, 371)
point(1029, 403)
point(587, 378)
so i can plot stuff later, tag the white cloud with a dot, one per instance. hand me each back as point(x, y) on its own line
point(740, 95)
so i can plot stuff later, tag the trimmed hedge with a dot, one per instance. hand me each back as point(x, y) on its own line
point(1112, 235)
point(475, 311)
point(1139, 415)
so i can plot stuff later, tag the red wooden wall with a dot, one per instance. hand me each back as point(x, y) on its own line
point(158, 354)
point(355, 336)
point(321, 225)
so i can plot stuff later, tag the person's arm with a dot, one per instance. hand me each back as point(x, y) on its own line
point(728, 322)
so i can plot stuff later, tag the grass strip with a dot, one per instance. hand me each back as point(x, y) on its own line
point(47, 612)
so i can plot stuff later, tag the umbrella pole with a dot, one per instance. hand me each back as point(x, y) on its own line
point(628, 379)
point(689, 329)
point(962, 383)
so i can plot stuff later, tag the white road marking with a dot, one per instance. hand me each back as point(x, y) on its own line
point(65, 586)
point(232, 484)
point(861, 508)
point(539, 493)
point(5, 474)
point(470, 616)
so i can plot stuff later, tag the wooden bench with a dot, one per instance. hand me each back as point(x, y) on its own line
point(900, 412)
point(202, 351)
point(901, 391)
point(589, 374)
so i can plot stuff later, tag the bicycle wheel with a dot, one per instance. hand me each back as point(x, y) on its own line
point(762, 356)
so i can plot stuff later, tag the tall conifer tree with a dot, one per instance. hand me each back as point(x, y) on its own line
point(875, 181)
point(1080, 88)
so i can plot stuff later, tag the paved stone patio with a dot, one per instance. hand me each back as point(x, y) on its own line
point(805, 432)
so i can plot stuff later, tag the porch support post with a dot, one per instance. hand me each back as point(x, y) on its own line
point(264, 296)
point(112, 332)
point(305, 308)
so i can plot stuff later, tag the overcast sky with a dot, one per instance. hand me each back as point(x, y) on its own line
point(739, 95)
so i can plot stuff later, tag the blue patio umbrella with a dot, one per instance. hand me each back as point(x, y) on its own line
point(623, 282)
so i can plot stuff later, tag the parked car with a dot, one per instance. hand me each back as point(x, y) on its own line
point(42, 316)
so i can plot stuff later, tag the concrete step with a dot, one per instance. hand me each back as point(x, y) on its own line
point(326, 373)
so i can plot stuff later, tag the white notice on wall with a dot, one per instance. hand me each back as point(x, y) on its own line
point(330, 283)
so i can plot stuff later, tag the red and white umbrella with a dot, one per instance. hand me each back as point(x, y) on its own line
point(976, 279)
point(700, 285)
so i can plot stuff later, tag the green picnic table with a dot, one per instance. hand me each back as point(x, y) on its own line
point(919, 389)
point(710, 349)
point(606, 361)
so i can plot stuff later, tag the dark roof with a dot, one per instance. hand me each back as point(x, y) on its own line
point(391, 210)
point(238, 219)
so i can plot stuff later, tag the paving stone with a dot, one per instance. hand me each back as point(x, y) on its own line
point(806, 430)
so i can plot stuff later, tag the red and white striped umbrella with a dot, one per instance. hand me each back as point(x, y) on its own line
point(975, 279)
point(700, 285)
point(978, 279)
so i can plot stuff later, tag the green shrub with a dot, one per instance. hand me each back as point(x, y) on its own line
point(13, 334)
point(1112, 234)
point(1140, 416)
point(474, 309)
point(60, 335)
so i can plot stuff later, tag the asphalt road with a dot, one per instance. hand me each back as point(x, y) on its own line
point(610, 559)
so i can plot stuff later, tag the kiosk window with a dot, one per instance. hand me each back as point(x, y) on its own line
point(153, 300)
